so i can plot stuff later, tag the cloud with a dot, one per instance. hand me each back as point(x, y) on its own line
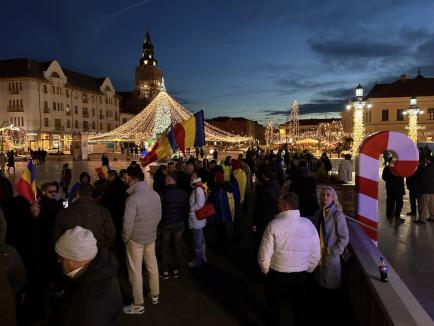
point(277, 112)
point(338, 49)
point(337, 93)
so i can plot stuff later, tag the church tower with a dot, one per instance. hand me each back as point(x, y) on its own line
point(148, 76)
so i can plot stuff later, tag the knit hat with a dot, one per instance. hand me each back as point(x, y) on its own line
point(77, 244)
point(236, 164)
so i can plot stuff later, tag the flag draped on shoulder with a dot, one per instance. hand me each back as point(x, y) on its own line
point(187, 134)
point(26, 185)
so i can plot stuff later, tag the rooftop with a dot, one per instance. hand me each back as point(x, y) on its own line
point(404, 87)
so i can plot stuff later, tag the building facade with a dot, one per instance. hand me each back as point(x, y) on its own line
point(53, 104)
point(390, 101)
point(240, 126)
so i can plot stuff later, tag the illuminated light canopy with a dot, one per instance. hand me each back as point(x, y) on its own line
point(155, 118)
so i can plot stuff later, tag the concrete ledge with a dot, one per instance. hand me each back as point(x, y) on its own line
point(375, 302)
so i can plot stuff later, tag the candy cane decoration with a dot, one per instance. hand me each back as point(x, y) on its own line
point(367, 177)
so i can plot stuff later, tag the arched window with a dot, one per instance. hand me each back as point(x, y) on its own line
point(55, 74)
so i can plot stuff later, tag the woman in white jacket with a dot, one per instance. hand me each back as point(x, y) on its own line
point(197, 201)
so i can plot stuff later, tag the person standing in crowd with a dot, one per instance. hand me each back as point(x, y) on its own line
point(11, 161)
point(414, 185)
point(197, 201)
point(3, 160)
point(227, 166)
point(139, 232)
point(304, 187)
point(86, 213)
point(159, 176)
point(333, 233)
point(93, 296)
point(345, 169)
point(197, 151)
point(395, 192)
point(427, 192)
point(65, 179)
point(290, 249)
point(104, 160)
point(215, 154)
point(175, 207)
point(201, 153)
point(83, 180)
point(267, 195)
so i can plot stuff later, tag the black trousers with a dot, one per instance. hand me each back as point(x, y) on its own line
point(394, 205)
point(414, 201)
point(286, 295)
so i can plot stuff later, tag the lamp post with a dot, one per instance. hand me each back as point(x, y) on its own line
point(413, 114)
point(358, 125)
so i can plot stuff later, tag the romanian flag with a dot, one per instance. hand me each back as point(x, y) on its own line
point(103, 171)
point(26, 185)
point(187, 134)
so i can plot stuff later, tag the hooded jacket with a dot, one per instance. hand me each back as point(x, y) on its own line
point(93, 297)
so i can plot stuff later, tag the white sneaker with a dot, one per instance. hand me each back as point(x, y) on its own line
point(134, 309)
point(153, 299)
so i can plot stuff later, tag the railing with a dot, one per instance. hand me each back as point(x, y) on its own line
point(46, 110)
point(59, 128)
point(68, 112)
point(85, 115)
point(12, 109)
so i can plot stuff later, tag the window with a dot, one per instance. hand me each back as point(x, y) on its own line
point(76, 124)
point(21, 87)
point(430, 114)
point(44, 87)
point(76, 109)
point(53, 89)
point(116, 116)
point(54, 106)
point(400, 115)
point(384, 115)
point(85, 125)
point(93, 125)
point(21, 103)
point(22, 121)
point(67, 92)
point(109, 126)
point(45, 122)
point(68, 123)
point(15, 120)
point(100, 126)
point(93, 112)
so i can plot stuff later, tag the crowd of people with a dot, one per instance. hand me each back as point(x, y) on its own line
point(89, 231)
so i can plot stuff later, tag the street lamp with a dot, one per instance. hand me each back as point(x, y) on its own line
point(413, 114)
point(358, 128)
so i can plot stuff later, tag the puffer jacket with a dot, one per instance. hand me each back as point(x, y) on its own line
point(174, 204)
point(197, 201)
point(290, 244)
point(142, 214)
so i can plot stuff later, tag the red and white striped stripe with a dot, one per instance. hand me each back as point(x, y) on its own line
point(367, 176)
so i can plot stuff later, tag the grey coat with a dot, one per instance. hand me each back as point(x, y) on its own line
point(142, 214)
point(329, 272)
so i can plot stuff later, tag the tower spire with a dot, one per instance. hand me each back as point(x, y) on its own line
point(147, 57)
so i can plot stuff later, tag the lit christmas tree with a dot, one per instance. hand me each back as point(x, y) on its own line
point(294, 118)
point(162, 114)
point(269, 134)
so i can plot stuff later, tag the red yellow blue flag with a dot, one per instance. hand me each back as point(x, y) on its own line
point(26, 185)
point(103, 171)
point(187, 134)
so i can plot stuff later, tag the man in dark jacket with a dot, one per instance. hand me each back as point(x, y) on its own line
point(115, 200)
point(265, 205)
point(395, 191)
point(93, 296)
point(427, 192)
point(413, 184)
point(87, 214)
point(175, 207)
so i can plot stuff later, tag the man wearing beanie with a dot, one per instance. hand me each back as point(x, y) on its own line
point(139, 232)
point(93, 296)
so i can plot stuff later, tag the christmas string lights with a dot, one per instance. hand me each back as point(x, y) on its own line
point(155, 118)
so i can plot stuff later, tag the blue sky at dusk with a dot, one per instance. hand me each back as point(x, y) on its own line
point(237, 58)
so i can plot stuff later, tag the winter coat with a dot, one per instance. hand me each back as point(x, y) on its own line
point(8, 315)
point(427, 183)
point(114, 201)
point(219, 199)
point(175, 205)
point(414, 182)
point(142, 214)
point(197, 201)
point(305, 188)
point(394, 184)
point(93, 297)
point(265, 204)
point(345, 171)
point(329, 272)
point(13, 267)
point(290, 244)
point(89, 215)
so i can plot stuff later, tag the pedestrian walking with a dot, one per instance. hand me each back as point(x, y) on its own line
point(427, 192)
point(395, 192)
